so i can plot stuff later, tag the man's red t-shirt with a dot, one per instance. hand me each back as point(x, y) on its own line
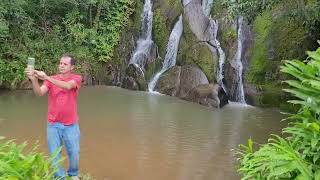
point(62, 103)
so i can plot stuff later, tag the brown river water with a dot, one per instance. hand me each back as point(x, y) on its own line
point(128, 135)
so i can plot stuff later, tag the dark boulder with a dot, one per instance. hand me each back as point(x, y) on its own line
point(211, 95)
point(169, 82)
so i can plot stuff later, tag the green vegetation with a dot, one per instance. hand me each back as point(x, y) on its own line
point(282, 29)
point(18, 163)
point(45, 29)
point(160, 31)
point(201, 55)
point(165, 15)
point(272, 94)
point(228, 36)
point(260, 63)
point(278, 36)
point(248, 8)
point(297, 156)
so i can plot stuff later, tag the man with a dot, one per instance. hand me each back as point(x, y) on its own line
point(63, 119)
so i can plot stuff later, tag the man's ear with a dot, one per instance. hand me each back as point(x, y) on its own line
point(72, 67)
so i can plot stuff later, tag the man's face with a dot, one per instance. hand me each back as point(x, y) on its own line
point(65, 65)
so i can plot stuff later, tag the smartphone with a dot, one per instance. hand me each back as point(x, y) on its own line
point(30, 62)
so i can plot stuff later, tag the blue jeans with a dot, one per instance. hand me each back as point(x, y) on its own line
point(59, 134)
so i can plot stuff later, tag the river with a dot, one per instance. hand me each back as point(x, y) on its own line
point(129, 135)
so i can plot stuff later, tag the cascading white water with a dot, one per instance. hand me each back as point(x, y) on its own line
point(214, 42)
point(222, 55)
point(206, 5)
point(147, 16)
point(237, 64)
point(186, 2)
point(145, 42)
point(171, 53)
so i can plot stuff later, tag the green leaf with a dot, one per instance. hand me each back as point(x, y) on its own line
point(315, 126)
point(317, 175)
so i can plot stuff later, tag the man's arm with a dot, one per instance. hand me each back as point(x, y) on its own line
point(39, 91)
point(62, 84)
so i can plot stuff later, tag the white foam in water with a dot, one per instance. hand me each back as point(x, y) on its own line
point(238, 104)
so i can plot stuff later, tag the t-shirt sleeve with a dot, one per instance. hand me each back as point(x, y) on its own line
point(78, 80)
point(48, 84)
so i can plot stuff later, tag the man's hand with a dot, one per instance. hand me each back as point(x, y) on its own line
point(30, 73)
point(41, 75)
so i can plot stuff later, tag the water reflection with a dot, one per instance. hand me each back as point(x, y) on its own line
point(140, 128)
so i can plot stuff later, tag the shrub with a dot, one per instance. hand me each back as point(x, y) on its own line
point(297, 156)
point(16, 162)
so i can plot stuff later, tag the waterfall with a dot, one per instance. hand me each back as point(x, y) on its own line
point(214, 43)
point(186, 2)
point(222, 55)
point(145, 42)
point(206, 5)
point(171, 52)
point(237, 64)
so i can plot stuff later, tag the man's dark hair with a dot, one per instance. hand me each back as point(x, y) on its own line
point(72, 58)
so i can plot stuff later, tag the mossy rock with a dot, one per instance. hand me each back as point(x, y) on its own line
point(160, 31)
point(152, 68)
point(227, 35)
point(122, 53)
point(134, 23)
point(192, 51)
point(171, 9)
point(169, 81)
point(188, 39)
point(191, 76)
point(201, 55)
point(166, 13)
